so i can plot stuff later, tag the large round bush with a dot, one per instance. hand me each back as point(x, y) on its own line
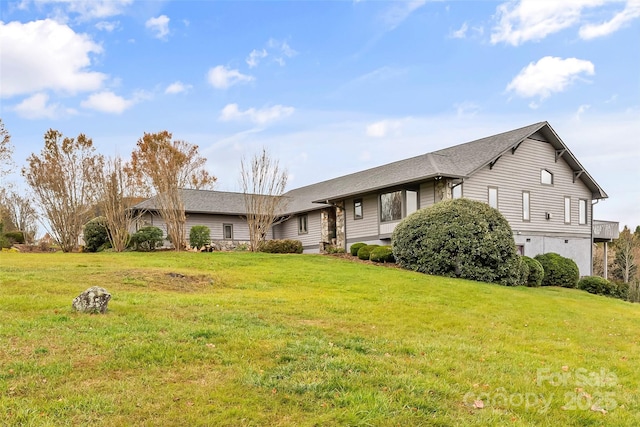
point(536, 272)
point(558, 270)
point(458, 238)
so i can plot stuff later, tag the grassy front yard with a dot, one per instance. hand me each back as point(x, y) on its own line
point(302, 340)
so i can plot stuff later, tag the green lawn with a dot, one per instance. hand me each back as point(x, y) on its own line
point(302, 340)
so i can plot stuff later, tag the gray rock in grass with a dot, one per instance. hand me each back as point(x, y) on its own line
point(94, 300)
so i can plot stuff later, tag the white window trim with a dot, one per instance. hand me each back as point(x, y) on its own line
point(526, 208)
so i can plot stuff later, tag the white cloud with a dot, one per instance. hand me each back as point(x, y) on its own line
point(400, 11)
point(108, 102)
point(159, 26)
point(221, 77)
point(466, 108)
point(629, 13)
point(460, 33)
point(107, 26)
point(581, 110)
point(43, 55)
point(548, 75)
point(282, 51)
point(177, 87)
point(255, 56)
point(526, 20)
point(37, 107)
point(383, 128)
point(231, 112)
point(85, 9)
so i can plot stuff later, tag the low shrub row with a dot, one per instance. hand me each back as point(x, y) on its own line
point(375, 253)
point(284, 246)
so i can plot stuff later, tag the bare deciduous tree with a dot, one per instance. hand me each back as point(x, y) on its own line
point(64, 179)
point(167, 167)
point(19, 213)
point(6, 151)
point(263, 185)
point(117, 194)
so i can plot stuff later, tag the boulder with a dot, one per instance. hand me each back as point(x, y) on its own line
point(94, 300)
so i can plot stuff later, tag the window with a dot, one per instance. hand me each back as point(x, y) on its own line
point(412, 201)
point(582, 211)
point(456, 192)
point(546, 177)
point(493, 197)
point(567, 210)
point(526, 209)
point(227, 231)
point(303, 224)
point(357, 209)
point(391, 206)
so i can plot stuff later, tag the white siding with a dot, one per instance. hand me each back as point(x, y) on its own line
point(514, 173)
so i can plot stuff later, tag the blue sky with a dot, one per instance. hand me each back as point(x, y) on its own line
point(328, 87)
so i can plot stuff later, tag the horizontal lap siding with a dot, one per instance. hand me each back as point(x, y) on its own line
point(289, 230)
point(215, 224)
point(368, 224)
point(427, 194)
point(514, 173)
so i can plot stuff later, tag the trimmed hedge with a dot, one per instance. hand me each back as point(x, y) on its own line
point(558, 270)
point(598, 285)
point(199, 236)
point(355, 248)
point(285, 246)
point(458, 238)
point(536, 272)
point(382, 254)
point(147, 239)
point(364, 253)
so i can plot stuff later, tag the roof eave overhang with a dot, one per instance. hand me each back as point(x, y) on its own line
point(335, 198)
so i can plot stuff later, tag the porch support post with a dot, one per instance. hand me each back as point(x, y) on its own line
point(606, 261)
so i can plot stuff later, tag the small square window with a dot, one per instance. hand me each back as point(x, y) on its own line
point(227, 231)
point(303, 224)
point(546, 177)
point(357, 209)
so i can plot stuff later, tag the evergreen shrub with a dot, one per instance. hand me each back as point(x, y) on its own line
point(199, 236)
point(284, 246)
point(536, 272)
point(458, 238)
point(558, 270)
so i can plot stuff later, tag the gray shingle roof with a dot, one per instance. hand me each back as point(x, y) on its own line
point(204, 201)
point(459, 161)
